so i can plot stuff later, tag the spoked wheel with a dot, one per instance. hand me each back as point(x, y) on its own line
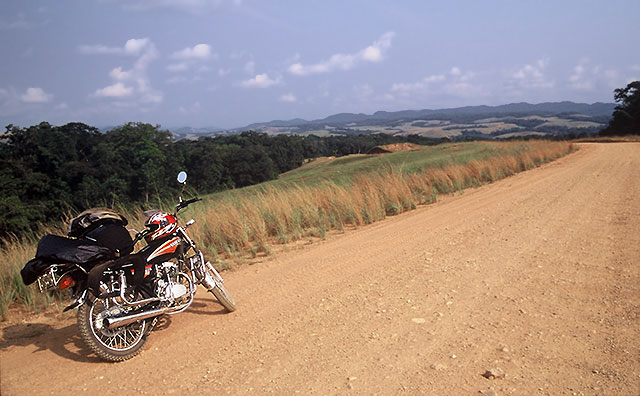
point(223, 296)
point(213, 282)
point(114, 345)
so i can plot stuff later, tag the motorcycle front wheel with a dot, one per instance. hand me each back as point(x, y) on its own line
point(219, 291)
point(114, 345)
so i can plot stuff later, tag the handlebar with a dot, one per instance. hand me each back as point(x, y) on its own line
point(184, 204)
point(140, 235)
point(192, 200)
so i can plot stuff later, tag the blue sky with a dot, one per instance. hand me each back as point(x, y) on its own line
point(229, 63)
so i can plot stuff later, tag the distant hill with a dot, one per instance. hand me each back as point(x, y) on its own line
point(521, 109)
point(470, 122)
point(191, 133)
point(184, 132)
point(509, 120)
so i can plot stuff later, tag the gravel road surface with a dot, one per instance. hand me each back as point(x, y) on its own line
point(528, 286)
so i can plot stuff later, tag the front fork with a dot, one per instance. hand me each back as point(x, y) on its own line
point(204, 272)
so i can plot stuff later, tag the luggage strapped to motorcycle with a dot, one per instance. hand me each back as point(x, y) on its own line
point(104, 227)
point(92, 218)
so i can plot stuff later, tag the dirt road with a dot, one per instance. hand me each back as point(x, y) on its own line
point(536, 277)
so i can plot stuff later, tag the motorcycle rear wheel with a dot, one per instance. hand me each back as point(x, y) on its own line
point(114, 345)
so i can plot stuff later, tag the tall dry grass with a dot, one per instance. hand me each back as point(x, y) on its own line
point(239, 223)
point(248, 223)
point(14, 256)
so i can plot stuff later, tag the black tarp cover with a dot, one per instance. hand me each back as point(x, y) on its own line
point(65, 250)
point(53, 249)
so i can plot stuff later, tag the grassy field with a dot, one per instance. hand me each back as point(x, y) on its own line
point(321, 196)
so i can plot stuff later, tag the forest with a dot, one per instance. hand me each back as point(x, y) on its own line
point(48, 172)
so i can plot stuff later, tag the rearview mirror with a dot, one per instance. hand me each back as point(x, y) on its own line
point(182, 177)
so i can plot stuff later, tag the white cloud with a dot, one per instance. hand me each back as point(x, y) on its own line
point(135, 46)
point(198, 51)
point(148, 55)
point(36, 95)
point(373, 53)
point(581, 79)
point(190, 57)
point(455, 84)
point(434, 78)
point(223, 72)
point(288, 97)
point(133, 83)
point(117, 90)
point(191, 6)
point(260, 81)
point(418, 85)
point(119, 75)
point(587, 78)
point(532, 76)
point(132, 47)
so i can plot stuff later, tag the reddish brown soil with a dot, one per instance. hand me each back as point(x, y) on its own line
point(536, 277)
point(395, 147)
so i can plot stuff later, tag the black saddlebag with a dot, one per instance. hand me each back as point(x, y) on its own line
point(113, 236)
point(33, 269)
point(53, 249)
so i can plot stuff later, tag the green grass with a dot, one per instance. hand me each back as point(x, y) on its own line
point(345, 168)
point(323, 195)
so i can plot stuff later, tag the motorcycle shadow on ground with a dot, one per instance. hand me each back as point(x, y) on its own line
point(206, 306)
point(66, 342)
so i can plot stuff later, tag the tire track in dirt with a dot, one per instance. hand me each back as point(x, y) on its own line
point(536, 274)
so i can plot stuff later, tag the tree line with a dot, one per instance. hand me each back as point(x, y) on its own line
point(48, 171)
point(626, 116)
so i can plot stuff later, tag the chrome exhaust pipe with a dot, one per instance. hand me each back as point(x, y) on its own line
point(113, 323)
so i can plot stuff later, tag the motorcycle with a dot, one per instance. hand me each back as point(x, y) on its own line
point(120, 295)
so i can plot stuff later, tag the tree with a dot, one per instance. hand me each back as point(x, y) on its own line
point(626, 116)
point(133, 160)
point(248, 165)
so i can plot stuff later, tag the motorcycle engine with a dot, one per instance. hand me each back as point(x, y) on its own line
point(167, 286)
